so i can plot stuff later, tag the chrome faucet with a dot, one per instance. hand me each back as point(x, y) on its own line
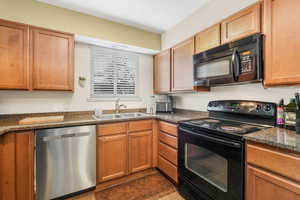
point(118, 106)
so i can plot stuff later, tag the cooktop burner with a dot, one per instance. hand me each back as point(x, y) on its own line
point(226, 126)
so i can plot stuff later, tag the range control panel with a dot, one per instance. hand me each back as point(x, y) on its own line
point(243, 107)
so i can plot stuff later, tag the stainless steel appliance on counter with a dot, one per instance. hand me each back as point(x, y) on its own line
point(211, 150)
point(164, 103)
point(233, 63)
point(65, 161)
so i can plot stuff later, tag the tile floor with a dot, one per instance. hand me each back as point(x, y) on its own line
point(152, 187)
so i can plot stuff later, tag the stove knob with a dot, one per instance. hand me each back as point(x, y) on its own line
point(268, 108)
point(258, 108)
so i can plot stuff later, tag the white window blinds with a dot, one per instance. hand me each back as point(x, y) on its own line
point(114, 73)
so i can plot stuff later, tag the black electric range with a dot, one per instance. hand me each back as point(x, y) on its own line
point(211, 150)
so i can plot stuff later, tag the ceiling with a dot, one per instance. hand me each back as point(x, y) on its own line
point(151, 15)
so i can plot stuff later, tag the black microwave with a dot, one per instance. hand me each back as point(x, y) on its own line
point(237, 62)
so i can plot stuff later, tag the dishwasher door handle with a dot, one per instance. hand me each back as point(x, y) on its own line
point(69, 135)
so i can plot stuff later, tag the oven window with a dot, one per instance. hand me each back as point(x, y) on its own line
point(208, 165)
point(213, 69)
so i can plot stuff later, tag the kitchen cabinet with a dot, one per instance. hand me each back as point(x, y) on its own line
point(162, 72)
point(207, 39)
point(112, 157)
point(242, 24)
point(167, 150)
point(33, 58)
point(140, 151)
point(124, 148)
point(267, 178)
point(182, 66)
point(14, 49)
point(17, 166)
point(112, 129)
point(282, 42)
point(263, 185)
point(52, 59)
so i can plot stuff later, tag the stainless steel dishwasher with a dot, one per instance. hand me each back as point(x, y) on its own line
point(65, 161)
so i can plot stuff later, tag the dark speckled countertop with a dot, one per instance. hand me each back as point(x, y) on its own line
point(10, 123)
point(277, 137)
point(181, 115)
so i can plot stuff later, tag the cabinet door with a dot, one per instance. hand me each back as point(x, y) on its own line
point(208, 39)
point(162, 72)
point(112, 157)
point(14, 70)
point(282, 42)
point(242, 24)
point(52, 60)
point(263, 185)
point(140, 151)
point(17, 166)
point(182, 66)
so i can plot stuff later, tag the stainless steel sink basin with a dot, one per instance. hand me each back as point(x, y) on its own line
point(120, 116)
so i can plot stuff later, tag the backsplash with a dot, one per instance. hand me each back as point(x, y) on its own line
point(199, 101)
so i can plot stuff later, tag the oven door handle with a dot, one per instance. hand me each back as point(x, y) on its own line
point(212, 139)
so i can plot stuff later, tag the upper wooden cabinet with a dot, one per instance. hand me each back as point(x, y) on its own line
point(35, 58)
point(182, 66)
point(52, 60)
point(208, 39)
point(242, 24)
point(14, 48)
point(162, 72)
point(282, 42)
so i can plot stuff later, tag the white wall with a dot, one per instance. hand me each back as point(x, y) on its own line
point(47, 101)
point(212, 13)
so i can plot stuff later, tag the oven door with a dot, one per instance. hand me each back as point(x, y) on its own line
point(211, 164)
point(214, 71)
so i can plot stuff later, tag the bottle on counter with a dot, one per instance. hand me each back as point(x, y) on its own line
point(290, 114)
point(280, 114)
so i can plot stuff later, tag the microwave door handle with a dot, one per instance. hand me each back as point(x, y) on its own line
point(236, 63)
point(212, 139)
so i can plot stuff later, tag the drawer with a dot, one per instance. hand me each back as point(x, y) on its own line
point(168, 168)
point(112, 129)
point(280, 162)
point(142, 125)
point(168, 139)
point(168, 153)
point(168, 128)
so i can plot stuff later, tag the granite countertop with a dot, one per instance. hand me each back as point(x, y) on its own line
point(10, 123)
point(181, 115)
point(277, 137)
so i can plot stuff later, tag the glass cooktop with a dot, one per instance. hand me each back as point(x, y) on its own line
point(226, 126)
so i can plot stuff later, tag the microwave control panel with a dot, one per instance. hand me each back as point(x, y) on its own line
point(247, 61)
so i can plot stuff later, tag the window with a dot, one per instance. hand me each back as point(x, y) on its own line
point(113, 73)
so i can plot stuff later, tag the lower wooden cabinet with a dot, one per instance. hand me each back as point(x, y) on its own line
point(168, 168)
point(167, 150)
point(272, 173)
point(112, 157)
point(140, 151)
point(17, 166)
point(264, 185)
point(123, 148)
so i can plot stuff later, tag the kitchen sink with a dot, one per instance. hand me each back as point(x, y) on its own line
point(120, 116)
